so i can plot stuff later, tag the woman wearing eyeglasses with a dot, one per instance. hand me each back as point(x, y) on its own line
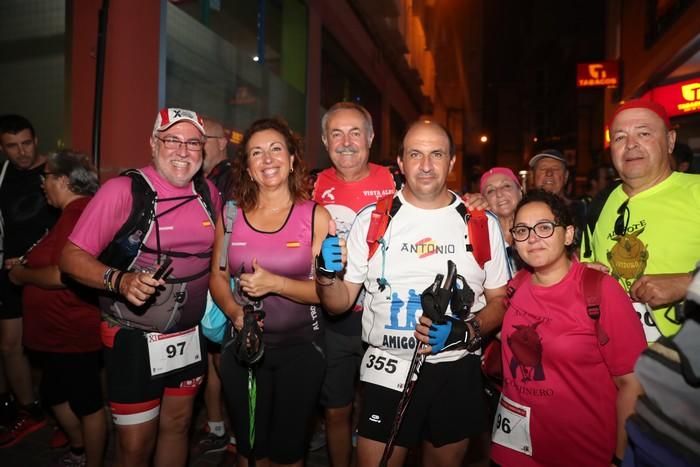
point(62, 320)
point(568, 383)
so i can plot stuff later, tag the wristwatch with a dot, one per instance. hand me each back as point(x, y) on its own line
point(474, 342)
point(321, 271)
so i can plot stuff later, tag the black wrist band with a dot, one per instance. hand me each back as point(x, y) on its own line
point(616, 460)
point(474, 342)
point(118, 281)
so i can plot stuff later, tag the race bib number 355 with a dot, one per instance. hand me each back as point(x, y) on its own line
point(168, 352)
point(382, 368)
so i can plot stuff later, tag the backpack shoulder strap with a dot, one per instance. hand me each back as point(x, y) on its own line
point(230, 211)
point(385, 209)
point(513, 285)
point(477, 232)
point(201, 187)
point(143, 202)
point(592, 282)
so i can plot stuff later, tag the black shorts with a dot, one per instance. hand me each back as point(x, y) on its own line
point(10, 297)
point(134, 395)
point(288, 381)
point(446, 406)
point(72, 378)
point(212, 347)
point(343, 357)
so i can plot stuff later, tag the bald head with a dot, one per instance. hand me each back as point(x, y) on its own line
point(427, 157)
point(434, 128)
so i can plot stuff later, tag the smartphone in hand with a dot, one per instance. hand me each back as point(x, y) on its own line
point(163, 268)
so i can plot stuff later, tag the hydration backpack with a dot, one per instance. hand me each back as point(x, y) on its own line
point(163, 309)
point(476, 222)
point(128, 241)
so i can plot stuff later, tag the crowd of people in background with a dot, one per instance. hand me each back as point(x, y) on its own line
point(358, 298)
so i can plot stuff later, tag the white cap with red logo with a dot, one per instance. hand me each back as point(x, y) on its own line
point(168, 117)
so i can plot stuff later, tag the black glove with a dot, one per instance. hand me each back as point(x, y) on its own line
point(462, 298)
point(453, 334)
point(435, 300)
point(329, 263)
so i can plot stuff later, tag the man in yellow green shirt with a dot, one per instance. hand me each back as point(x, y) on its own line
point(648, 233)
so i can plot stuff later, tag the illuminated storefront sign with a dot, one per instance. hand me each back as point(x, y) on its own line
point(598, 74)
point(236, 137)
point(678, 98)
point(681, 98)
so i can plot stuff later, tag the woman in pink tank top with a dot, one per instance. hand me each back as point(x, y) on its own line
point(276, 234)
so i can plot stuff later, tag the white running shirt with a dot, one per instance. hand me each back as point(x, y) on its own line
point(419, 243)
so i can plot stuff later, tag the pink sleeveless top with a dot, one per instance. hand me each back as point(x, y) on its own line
point(286, 252)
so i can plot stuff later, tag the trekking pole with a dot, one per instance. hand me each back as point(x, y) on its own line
point(434, 301)
point(252, 398)
point(249, 350)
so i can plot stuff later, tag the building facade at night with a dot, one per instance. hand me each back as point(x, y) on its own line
point(233, 60)
point(658, 48)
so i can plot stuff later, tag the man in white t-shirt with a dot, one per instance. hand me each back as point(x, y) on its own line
point(425, 232)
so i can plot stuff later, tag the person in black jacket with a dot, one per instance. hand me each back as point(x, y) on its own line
point(27, 217)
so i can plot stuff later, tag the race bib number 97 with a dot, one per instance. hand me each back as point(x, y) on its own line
point(169, 352)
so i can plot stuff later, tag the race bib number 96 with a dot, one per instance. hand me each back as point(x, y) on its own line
point(511, 426)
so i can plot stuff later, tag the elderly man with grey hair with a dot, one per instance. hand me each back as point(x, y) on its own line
point(344, 189)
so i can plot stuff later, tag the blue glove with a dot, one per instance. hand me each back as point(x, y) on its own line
point(330, 258)
point(451, 335)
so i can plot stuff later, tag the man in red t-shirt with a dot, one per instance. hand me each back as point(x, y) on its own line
point(344, 189)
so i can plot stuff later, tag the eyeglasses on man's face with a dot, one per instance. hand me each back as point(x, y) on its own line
point(170, 142)
point(623, 218)
point(544, 229)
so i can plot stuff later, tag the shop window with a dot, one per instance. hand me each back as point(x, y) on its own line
point(223, 62)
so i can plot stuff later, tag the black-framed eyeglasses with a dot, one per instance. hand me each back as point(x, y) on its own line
point(45, 175)
point(544, 229)
point(623, 218)
point(174, 143)
point(214, 137)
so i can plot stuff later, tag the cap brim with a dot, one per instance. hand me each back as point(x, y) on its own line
point(199, 127)
point(536, 158)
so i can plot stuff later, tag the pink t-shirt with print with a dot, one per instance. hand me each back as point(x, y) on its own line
point(553, 364)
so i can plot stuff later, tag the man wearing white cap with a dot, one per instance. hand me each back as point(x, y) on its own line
point(145, 240)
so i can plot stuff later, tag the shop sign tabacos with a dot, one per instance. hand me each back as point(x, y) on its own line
point(597, 74)
point(678, 98)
